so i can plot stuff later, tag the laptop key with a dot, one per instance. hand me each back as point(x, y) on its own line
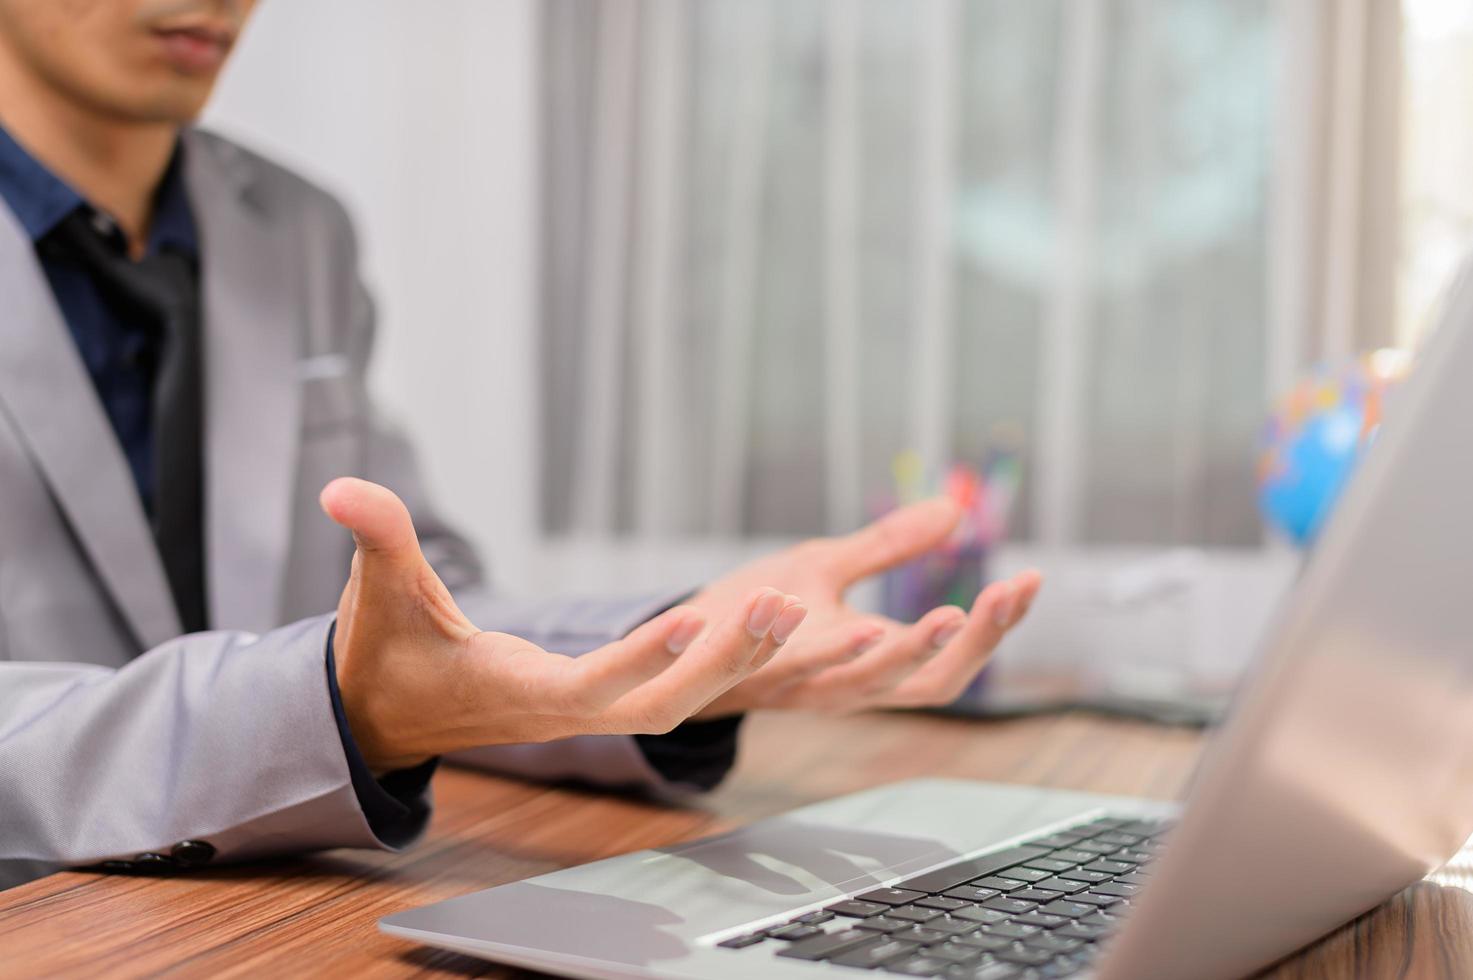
point(1051, 865)
point(1102, 919)
point(1116, 889)
point(982, 941)
point(951, 926)
point(742, 942)
point(881, 923)
point(1025, 955)
point(987, 971)
point(971, 893)
point(1068, 965)
point(978, 915)
point(858, 910)
point(1080, 930)
point(1078, 874)
point(917, 965)
point(1008, 905)
point(1109, 867)
point(1068, 909)
point(1072, 854)
point(1011, 930)
point(794, 931)
point(954, 954)
point(913, 913)
point(1096, 848)
point(1033, 895)
point(1098, 901)
point(962, 872)
point(1025, 873)
point(874, 954)
point(1133, 879)
point(1000, 883)
point(814, 918)
point(1053, 942)
point(890, 896)
point(824, 945)
point(940, 902)
point(1040, 919)
point(1065, 885)
point(1115, 837)
point(919, 935)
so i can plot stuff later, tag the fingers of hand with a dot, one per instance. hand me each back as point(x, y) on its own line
point(905, 650)
point(745, 643)
point(596, 680)
point(790, 616)
point(729, 653)
point(1027, 585)
point(896, 538)
point(839, 645)
point(1008, 601)
point(998, 608)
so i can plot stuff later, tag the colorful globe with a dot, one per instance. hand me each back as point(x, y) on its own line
point(1314, 439)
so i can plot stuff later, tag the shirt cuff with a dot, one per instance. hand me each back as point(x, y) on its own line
point(696, 753)
point(396, 805)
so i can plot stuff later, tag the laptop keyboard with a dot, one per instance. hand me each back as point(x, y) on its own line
point(1036, 910)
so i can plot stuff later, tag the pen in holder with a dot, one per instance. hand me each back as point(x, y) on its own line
point(957, 572)
point(954, 575)
point(951, 576)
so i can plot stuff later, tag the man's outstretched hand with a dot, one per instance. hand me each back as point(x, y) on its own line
point(418, 679)
point(845, 660)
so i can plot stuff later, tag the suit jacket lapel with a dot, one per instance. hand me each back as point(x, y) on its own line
point(252, 312)
point(46, 390)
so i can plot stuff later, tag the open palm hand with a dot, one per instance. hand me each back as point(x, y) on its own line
point(842, 659)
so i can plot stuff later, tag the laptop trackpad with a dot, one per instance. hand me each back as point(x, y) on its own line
point(650, 906)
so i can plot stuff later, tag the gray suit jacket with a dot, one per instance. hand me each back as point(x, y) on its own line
point(120, 737)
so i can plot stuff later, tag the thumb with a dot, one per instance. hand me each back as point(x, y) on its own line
point(381, 526)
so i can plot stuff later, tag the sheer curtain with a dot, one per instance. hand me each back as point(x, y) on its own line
point(784, 240)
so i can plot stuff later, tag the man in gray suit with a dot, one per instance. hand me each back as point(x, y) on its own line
point(183, 676)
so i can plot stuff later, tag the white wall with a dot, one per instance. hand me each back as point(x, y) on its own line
point(422, 117)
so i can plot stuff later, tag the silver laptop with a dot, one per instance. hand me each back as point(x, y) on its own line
point(1344, 774)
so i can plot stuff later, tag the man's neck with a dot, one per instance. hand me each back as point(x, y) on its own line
point(116, 165)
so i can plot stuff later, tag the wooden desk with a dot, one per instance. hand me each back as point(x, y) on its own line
point(318, 915)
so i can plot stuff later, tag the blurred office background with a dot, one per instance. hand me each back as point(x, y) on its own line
point(664, 282)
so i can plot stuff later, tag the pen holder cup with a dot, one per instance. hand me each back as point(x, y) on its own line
point(950, 576)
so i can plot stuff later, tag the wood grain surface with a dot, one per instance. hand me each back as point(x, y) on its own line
point(317, 915)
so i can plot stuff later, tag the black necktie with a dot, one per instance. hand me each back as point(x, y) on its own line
point(162, 289)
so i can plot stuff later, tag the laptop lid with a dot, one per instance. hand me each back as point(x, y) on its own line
point(1345, 772)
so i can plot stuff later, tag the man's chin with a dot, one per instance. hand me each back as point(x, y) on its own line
point(178, 106)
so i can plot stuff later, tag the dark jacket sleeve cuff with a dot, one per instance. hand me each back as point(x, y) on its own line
point(395, 805)
point(697, 753)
